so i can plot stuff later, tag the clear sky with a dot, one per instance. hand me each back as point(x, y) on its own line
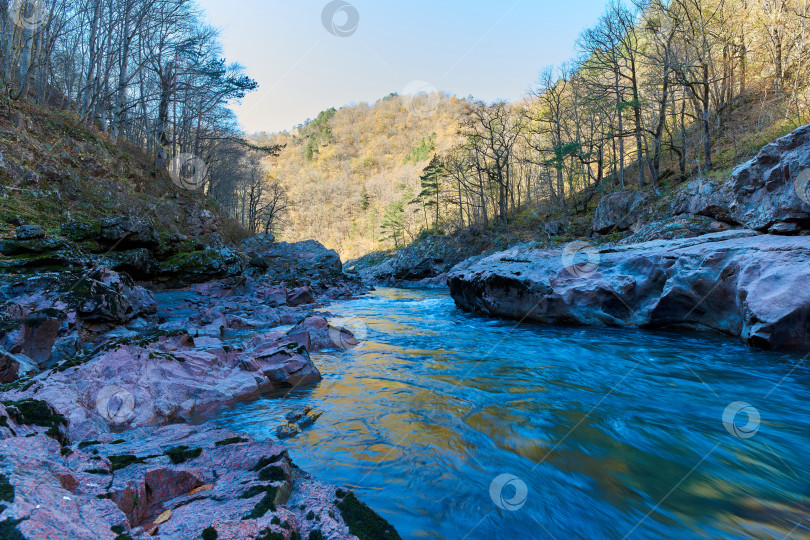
point(488, 49)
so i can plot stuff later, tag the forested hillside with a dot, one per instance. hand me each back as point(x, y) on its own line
point(351, 176)
point(658, 92)
point(148, 73)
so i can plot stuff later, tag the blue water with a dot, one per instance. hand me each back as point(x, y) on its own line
point(613, 433)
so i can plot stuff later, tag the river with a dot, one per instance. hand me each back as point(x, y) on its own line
point(455, 426)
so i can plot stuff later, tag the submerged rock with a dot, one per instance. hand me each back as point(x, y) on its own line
point(737, 283)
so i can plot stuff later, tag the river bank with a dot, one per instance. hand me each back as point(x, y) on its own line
point(102, 375)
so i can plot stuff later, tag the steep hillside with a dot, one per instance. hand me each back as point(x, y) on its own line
point(344, 169)
point(55, 170)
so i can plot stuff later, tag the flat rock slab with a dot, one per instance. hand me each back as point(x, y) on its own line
point(739, 283)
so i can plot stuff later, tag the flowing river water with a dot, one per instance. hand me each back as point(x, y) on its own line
point(605, 433)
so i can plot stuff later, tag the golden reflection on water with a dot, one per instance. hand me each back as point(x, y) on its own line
point(423, 415)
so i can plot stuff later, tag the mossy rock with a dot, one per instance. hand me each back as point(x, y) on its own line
point(266, 504)
point(6, 490)
point(9, 530)
point(31, 412)
point(80, 231)
point(181, 454)
point(49, 244)
point(363, 522)
point(204, 265)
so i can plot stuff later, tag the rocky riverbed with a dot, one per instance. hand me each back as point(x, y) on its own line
point(102, 374)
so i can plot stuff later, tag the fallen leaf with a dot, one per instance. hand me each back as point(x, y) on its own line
point(164, 517)
point(207, 487)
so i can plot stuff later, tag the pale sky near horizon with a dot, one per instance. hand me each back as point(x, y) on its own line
point(490, 50)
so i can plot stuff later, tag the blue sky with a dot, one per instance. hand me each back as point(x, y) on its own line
point(491, 50)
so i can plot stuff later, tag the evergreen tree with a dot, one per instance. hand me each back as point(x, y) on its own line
point(431, 179)
point(393, 222)
point(365, 199)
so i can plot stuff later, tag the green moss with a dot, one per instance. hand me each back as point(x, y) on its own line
point(154, 355)
point(79, 231)
point(363, 522)
point(66, 451)
point(181, 454)
point(232, 440)
point(120, 532)
point(123, 461)
point(85, 444)
point(272, 473)
point(275, 521)
point(266, 504)
point(32, 412)
point(265, 461)
point(97, 471)
point(209, 533)
point(137, 341)
point(310, 515)
point(6, 490)
point(9, 530)
point(267, 534)
point(315, 535)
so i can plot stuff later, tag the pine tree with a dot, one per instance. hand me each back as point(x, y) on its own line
point(393, 222)
point(365, 199)
point(431, 179)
